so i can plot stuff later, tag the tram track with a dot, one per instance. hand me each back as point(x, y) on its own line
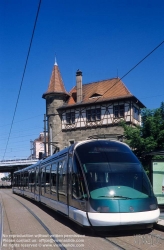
point(54, 238)
point(122, 244)
point(138, 241)
point(90, 242)
point(56, 241)
point(3, 212)
point(43, 225)
point(112, 242)
point(135, 240)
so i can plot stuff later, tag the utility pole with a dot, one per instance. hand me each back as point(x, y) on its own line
point(31, 148)
point(50, 139)
point(45, 135)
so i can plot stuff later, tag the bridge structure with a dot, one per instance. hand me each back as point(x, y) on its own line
point(10, 166)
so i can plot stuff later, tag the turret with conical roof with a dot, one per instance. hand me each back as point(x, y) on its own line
point(55, 97)
point(56, 84)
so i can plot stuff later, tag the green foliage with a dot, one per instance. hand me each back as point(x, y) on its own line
point(149, 136)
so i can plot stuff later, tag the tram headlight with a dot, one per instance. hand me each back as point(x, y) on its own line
point(111, 193)
point(153, 206)
point(103, 209)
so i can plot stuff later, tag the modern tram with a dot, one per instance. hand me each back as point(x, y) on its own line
point(96, 183)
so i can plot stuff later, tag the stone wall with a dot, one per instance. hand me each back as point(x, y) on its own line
point(83, 134)
point(54, 121)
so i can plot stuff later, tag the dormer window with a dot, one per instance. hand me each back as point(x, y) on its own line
point(96, 95)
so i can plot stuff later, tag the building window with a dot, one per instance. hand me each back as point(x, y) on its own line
point(119, 111)
point(93, 115)
point(70, 118)
point(136, 113)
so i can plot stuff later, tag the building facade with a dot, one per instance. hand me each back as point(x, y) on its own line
point(38, 146)
point(91, 110)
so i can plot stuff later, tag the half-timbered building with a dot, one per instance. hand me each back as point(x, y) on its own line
point(88, 111)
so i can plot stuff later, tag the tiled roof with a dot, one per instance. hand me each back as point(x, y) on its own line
point(106, 89)
point(56, 84)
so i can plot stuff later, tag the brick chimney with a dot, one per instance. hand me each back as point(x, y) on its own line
point(79, 85)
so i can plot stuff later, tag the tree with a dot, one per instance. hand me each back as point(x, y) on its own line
point(6, 178)
point(149, 136)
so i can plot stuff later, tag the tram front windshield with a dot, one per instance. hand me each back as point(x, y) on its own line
point(112, 171)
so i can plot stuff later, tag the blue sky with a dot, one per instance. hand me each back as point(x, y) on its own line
point(102, 38)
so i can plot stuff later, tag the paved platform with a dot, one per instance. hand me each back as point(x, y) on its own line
point(160, 224)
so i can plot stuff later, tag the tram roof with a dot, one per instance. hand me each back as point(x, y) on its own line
point(46, 160)
point(63, 152)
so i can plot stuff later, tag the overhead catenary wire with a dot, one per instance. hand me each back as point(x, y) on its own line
point(19, 92)
point(131, 69)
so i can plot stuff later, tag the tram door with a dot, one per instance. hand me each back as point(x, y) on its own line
point(77, 190)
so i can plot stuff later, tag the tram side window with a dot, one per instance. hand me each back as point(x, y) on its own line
point(37, 180)
point(62, 177)
point(78, 185)
point(47, 186)
point(54, 178)
point(18, 181)
point(22, 180)
point(14, 181)
point(43, 176)
point(29, 179)
point(26, 180)
point(32, 178)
